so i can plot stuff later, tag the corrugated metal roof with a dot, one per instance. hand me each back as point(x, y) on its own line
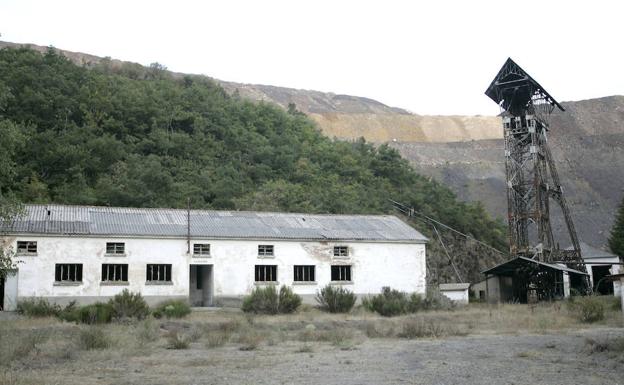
point(119, 221)
point(454, 286)
point(513, 264)
point(590, 252)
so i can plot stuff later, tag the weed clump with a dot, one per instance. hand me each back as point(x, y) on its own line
point(335, 299)
point(587, 309)
point(38, 307)
point(97, 313)
point(266, 300)
point(92, 338)
point(172, 309)
point(178, 341)
point(128, 305)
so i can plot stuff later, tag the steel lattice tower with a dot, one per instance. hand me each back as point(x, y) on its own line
point(532, 179)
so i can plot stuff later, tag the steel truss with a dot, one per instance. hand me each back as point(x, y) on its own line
point(532, 178)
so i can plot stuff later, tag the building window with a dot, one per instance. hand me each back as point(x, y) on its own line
point(304, 273)
point(341, 251)
point(114, 272)
point(115, 248)
point(201, 249)
point(68, 272)
point(266, 273)
point(341, 273)
point(159, 273)
point(265, 250)
point(27, 247)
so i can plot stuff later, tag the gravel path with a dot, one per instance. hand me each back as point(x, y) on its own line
point(548, 359)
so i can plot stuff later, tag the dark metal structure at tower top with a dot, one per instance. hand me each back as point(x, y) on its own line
point(532, 179)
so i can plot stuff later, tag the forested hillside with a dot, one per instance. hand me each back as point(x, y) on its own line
point(135, 136)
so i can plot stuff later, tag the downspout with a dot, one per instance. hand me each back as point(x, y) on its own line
point(188, 227)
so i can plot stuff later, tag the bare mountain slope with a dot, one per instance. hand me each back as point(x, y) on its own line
point(466, 152)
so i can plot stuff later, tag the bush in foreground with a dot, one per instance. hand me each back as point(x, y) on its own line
point(94, 314)
point(588, 309)
point(128, 305)
point(93, 338)
point(266, 300)
point(335, 299)
point(172, 309)
point(38, 307)
point(388, 303)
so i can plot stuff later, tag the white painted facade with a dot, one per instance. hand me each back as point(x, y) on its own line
point(456, 292)
point(374, 264)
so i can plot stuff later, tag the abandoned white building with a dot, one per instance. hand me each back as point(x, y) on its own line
point(89, 254)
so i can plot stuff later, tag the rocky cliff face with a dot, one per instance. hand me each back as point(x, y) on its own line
point(466, 152)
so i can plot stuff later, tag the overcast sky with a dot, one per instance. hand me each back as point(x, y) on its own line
point(433, 57)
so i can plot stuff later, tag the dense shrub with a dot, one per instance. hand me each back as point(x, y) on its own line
point(38, 307)
point(588, 309)
point(391, 302)
point(172, 309)
point(266, 300)
point(97, 313)
point(335, 299)
point(128, 305)
point(288, 301)
point(262, 300)
point(388, 303)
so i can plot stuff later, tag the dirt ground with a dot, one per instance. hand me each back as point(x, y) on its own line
point(304, 349)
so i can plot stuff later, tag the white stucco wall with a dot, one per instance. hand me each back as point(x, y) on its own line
point(458, 296)
point(374, 265)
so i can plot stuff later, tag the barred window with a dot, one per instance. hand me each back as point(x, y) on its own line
point(115, 248)
point(341, 251)
point(68, 272)
point(266, 273)
point(114, 272)
point(304, 273)
point(201, 249)
point(265, 250)
point(159, 273)
point(341, 273)
point(26, 247)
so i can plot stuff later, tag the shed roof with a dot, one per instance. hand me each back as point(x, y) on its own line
point(590, 252)
point(154, 222)
point(454, 286)
point(518, 262)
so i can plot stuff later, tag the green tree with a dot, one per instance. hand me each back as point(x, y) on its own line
point(8, 210)
point(616, 239)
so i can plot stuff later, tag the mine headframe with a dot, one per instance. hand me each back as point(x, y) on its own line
point(532, 179)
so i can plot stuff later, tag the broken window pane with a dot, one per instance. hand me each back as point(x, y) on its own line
point(114, 272)
point(341, 273)
point(341, 251)
point(265, 250)
point(115, 248)
point(26, 247)
point(266, 273)
point(158, 273)
point(304, 273)
point(68, 272)
point(201, 249)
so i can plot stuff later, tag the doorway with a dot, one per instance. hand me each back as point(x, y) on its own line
point(601, 285)
point(8, 292)
point(200, 285)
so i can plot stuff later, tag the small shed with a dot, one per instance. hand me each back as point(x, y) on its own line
point(600, 264)
point(457, 292)
point(511, 281)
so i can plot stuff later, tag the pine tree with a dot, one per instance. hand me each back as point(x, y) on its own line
point(616, 240)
